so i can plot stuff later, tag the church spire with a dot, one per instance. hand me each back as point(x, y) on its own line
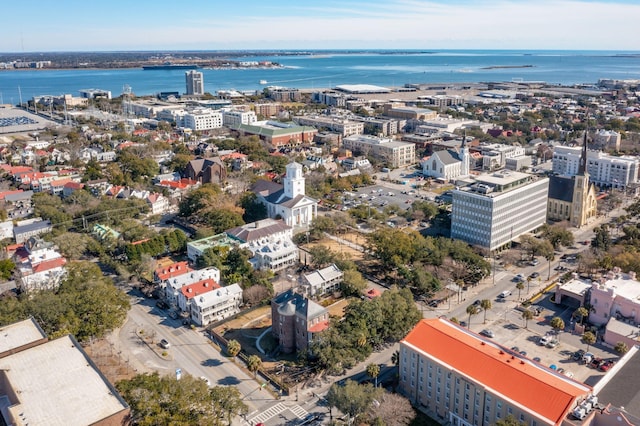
point(464, 139)
point(583, 159)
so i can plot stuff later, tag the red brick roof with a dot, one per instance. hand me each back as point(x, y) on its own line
point(526, 383)
point(321, 326)
point(49, 264)
point(192, 290)
point(172, 270)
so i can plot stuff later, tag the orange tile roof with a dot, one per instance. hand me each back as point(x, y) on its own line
point(321, 326)
point(172, 270)
point(526, 383)
point(49, 264)
point(192, 290)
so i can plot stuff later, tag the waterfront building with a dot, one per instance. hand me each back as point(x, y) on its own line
point(288, 201)
point(95, 94)
point(195, 82)
point(499, 207)
point(461, 378)
point(394, 153)
point(604, 170)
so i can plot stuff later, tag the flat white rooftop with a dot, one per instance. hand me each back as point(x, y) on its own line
point(56, 384)
point(576, 286)
point(19, 334)
point(362, 88)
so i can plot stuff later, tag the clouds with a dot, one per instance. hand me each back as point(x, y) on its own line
point(285, 24)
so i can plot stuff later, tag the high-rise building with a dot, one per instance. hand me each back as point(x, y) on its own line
point(498, 207)
point(195, 83)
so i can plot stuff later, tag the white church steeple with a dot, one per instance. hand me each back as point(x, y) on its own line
point(465, 159)
point(294, 181)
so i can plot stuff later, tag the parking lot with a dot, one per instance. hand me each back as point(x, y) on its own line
point(379, 196)
point(509, 330)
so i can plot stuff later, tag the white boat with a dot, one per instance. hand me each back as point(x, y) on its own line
point(263, 82)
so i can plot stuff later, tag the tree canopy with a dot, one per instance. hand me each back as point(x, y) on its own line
point(86, 304)
point(162, 400)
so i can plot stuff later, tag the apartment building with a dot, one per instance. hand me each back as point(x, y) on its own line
point(499, 207)
point(216, 305)
point(495, 155)
point(340, 125)
point(202, 119)
point(401, 111)
point(279, 134)
point(463, 379)
point(195, 82)
point(267, 109)
point(233, 118)
point(394, 153)
point(604, 169)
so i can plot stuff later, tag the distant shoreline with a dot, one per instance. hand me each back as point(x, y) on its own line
point(497, 67)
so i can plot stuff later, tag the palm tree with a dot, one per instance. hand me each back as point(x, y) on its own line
point(373, 370)
point(581, 313)
point(621, 348)
point(558, 324)
point(528, 284)
point(471, 310)
point(486, 305)
point(520, 287)
point(254, 363)
point(589, 338)
point(233, 349)
point(526, 316)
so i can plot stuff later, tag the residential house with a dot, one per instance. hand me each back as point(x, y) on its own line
point(322, 281)
point(216, 305)
point(173, 285)
point(22, 233)
point(189, 291)
point(158, 203)
point(39, 266)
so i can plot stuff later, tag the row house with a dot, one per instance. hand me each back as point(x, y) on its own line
point(173, 285)
point(216, 305)
point(323, 281)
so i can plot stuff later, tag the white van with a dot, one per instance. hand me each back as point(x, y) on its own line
point(504, 294)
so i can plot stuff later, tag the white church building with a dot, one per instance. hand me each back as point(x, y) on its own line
point(288, 201)
point(449, 164)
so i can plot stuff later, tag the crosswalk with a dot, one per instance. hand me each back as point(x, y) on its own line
point(271, 412)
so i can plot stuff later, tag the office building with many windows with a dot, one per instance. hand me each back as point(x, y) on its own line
point(604, 170)
point(394, 153)
point(498, 207)
point(463, 379)
point(195, 82)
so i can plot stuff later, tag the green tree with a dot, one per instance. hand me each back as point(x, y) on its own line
point(602, 239)
point(353, 283)
point(254, 210)
point(520, 287)
point(227, 401)
point(233, 349)
point(254, 363)
point(581, 313)
point(526, 316)
point(165, 401)
point(321, 256)
point(621, 348)
point(373, 370)
point(471, 310)
point(557, 324)
point(485, 304)
point(135, 168)
point(352, 399)
point(509, 421)
point(557, 235)
point(6, 269)
point(589, 339)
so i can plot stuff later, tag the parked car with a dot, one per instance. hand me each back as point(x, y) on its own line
point(587, 358)
point(504, 294)
point(595, 363)
point(534, 262)
point(161, 304)
point(577, 355)
point(606, 365)
point(518, 278)
point(488, 333)
point(534, 275)
point(164, 343)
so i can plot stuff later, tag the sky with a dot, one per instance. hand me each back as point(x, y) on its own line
point(116, 25)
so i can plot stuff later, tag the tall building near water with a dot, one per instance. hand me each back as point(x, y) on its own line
point(195, 82)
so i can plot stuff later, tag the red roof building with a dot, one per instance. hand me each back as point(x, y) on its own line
point(463, 378)
point(170, 271)
point(192, 290)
